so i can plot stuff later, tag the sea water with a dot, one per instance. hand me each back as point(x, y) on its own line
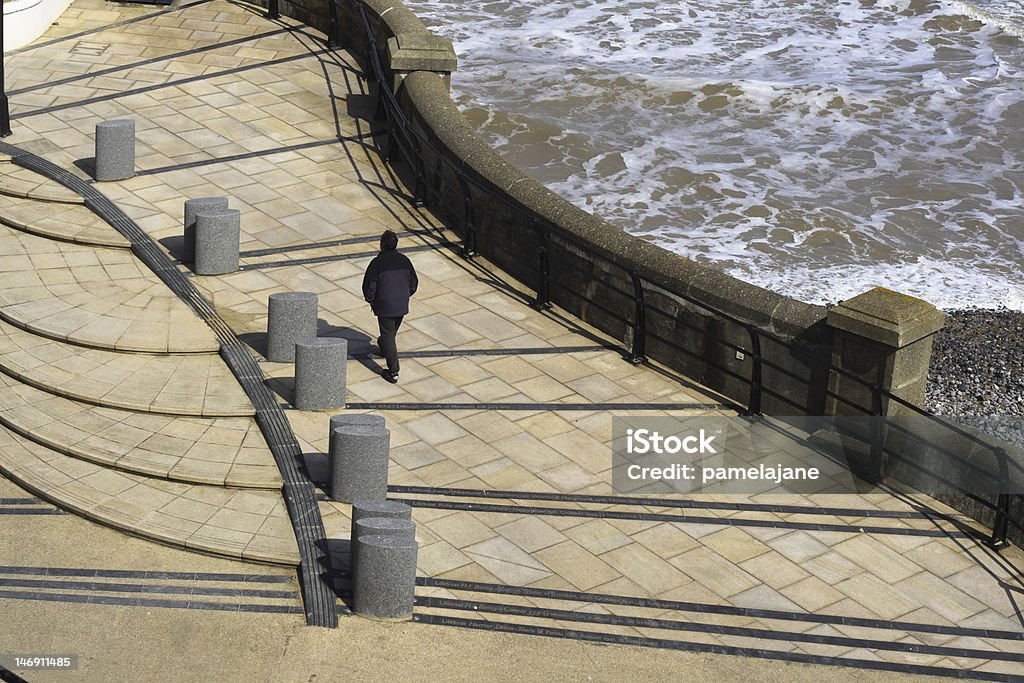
point(815, 147)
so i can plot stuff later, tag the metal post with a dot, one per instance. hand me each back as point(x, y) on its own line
point(332, 27)
point(874, 473)
point(469, 238)
point(543, 300)
point(1000, 526)
point(419, 190)
point(5, 112)
point(754, 402)
point(639, 353)
point(273, 10)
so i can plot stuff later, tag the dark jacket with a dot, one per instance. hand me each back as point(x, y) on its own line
point(389, 282)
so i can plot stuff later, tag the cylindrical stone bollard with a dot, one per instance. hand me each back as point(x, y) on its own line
point(194, 207)
point(347, 419)
point(320, 373)
point(359, 463)
point(389, 509)
point(377, 526)
point(115, 150)
point(217, 237)
point(385, 578)
point(376, 509)
point(291, 318)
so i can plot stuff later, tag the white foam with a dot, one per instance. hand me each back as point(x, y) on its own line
point(939, 282)
point(1004, 14)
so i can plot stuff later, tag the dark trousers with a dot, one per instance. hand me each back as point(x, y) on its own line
point(386, 340)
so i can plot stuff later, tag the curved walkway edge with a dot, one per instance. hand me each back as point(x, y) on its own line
point(298, 490)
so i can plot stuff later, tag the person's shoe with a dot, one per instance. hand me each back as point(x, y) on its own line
point(389, 376)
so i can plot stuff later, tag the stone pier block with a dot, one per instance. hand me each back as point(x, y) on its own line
point(115, 150)
point(883, 338)
point(194, 207)
point(217, 237)
point(291, 318)
point(320, 373)
point(385, 577)
point(359, 463)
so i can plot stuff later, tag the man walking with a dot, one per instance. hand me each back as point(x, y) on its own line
point(389, 282)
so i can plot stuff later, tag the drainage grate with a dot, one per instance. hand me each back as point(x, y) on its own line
point(84, 47)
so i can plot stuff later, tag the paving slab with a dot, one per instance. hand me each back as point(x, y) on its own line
point(100, 297)
point(157, 509)
point(221, 451)
point(16, 181)
point(67, 223)
point(185, 384)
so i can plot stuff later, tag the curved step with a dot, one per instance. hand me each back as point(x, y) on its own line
point(16, 181)
point(68, 223)
point(225, 451)
point(237, 523)
point(105, 298)
point(200, 385)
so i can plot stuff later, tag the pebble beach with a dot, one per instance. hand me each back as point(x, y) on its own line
point(977, 371)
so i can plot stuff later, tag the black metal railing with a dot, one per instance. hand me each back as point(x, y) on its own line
point(406, 144)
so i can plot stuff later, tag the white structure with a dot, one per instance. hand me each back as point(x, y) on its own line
point(26, 20)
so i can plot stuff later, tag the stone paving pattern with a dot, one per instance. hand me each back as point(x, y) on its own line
point(65, 222)
point(191, 384)
point(224, 451)
point(94, 297)
point(303, 189)
point(249, 524)
point(24, 184)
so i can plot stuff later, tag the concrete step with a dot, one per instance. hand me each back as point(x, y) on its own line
point(67, 223)
point(16, 181)
point(198, 385)
point(227, 451)
point(92, 296)
point(238, 523)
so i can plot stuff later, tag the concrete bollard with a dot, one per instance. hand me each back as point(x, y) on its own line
point(377, 509)
point(320, 373)
point(386, 509)
point(217, 239)
point(193, 207)
point(291, 318)
point(350, 419)
point(359, 463)
point(115, 150)
point(378, 526)
point(385, 577)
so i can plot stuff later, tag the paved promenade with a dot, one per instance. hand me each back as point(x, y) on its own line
point(115, 405)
